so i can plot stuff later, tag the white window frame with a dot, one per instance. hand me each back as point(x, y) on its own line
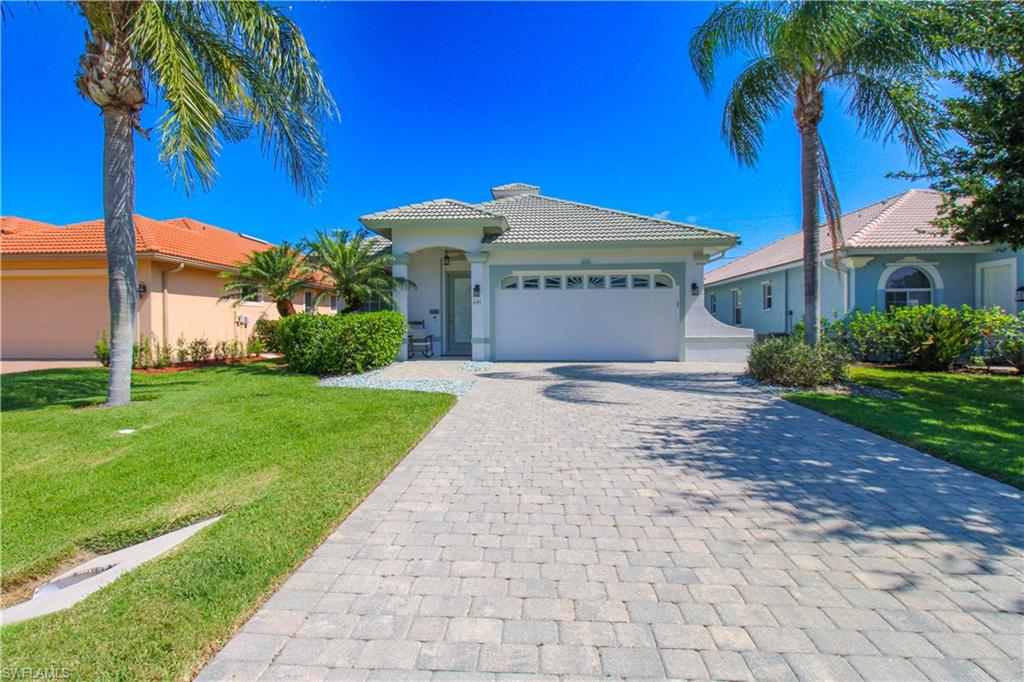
point(737, 306)
point(308, 302)
point(651, 276)
point(713, 302)
point(886, 290)
point(767, 296)
point(506, 278)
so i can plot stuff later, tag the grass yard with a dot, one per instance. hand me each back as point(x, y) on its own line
point(285, 459)
point(974, 420)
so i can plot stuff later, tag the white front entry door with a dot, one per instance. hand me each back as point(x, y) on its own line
point(996, 283)
point(586, 324)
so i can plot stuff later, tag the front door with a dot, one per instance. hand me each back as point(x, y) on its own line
point(459, 328)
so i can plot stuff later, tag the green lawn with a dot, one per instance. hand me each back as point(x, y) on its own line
point(284, 459)
point(974, 420)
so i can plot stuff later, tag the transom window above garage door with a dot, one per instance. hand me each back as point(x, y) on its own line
point(581, 281)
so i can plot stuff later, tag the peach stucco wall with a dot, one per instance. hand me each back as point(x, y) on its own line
point(58, 308)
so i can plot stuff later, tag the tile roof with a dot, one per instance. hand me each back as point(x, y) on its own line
point(537, 219)
point(902, 221)
point(438, 209)
point(514, 186)
point(178, 237)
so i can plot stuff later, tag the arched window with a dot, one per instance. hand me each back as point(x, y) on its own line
point(907, 287)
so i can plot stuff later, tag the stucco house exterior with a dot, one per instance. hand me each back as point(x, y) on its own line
point(890, 255)
point(531, 277)
point(53, 285)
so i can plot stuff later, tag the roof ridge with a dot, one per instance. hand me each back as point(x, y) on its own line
point(621, 212)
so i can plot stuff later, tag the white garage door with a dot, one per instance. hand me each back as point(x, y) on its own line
point(587, 317)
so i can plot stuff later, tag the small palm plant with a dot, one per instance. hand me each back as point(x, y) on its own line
point(279, 273)
point(223, 69)
point(878, 53)
point(359, 270)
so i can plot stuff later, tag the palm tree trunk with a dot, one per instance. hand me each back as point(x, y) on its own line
point(285, 308)
point(809, 173)
point(119, 234)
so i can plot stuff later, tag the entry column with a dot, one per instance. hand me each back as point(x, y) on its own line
point(480, 305)
point(400, 268)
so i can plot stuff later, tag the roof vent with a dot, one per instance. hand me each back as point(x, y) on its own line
point(513, 189)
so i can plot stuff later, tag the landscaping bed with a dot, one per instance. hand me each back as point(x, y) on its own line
point(973, 420)
point(283, 459)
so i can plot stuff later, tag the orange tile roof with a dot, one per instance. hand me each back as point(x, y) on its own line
point(179, 237)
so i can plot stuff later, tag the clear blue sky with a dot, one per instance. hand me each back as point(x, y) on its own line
point(594, 102)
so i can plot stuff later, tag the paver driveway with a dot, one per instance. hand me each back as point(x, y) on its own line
point(652, 520)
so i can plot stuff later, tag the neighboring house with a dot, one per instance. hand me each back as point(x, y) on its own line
point(890, 255)
point(530, 277)
point(53, 289)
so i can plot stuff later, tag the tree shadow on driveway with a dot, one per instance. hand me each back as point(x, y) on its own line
point(814, 479)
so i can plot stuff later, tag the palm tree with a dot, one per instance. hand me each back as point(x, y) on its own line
point(223, 69)
point(877, 53)
point(359, 270)
point(279, 273)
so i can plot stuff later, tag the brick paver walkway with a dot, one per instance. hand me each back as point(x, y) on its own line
point(652, 521)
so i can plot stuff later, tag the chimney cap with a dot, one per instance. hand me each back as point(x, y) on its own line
point(513, 189)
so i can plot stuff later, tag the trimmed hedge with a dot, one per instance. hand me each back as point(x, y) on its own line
point(788, 361)
point(348, 343)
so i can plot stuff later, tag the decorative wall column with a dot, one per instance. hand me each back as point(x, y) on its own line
point(851, 263)
point(480, 305)
point(400, 268)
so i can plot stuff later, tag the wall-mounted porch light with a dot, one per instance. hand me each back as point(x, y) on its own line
point(694, 289)
point(447, 259)
point(1020, 295)
point(476, 291)
point(140, 289)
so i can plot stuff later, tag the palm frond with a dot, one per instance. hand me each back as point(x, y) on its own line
point(829, 198)
point(889, 108)
point(756, 96)
point(735, 26)
point(225, 69)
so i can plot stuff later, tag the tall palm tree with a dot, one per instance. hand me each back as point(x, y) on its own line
point(876, 53)
point(279, 273)
point(223, 69)
point(360, 271)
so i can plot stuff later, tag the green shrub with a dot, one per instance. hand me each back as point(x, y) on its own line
point(199, 350)
point(869, 336)
point(351, 343)
point(931, 338)
point(235, 349)
point(163, 355)
point(788, 361)
point(180, 350)
point(254, 347)
point(102, 349)
point(220, 351)
point(265, 331)
point(1002, 337)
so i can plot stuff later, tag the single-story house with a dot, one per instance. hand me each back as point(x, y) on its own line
point(530, 277)
point(890, 255)
point(53, 285)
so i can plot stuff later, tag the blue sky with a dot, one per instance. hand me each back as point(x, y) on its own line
point(594, 102)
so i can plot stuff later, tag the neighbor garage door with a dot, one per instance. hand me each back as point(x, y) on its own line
point(607, 316)
point(59, 317)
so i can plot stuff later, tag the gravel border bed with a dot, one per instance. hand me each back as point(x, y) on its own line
point(844, 388)
point(455, 387)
